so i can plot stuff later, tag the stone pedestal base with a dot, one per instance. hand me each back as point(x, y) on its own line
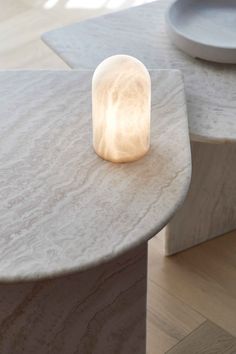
point(210, 207)
point(98, 311)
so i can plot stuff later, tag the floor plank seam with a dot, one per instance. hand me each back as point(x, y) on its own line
point(178, 299)
point(190, 333)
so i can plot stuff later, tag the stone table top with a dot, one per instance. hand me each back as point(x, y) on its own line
point(64, 209)
point(141, 32)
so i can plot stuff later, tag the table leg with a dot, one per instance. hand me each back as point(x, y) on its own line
point(98, 311)
point(210, 207)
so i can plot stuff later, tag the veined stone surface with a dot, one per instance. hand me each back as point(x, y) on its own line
point(209, 209)
point(62, 208)
point(141, 32)
point(101, 310)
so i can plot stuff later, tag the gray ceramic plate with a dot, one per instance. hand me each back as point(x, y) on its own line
point(204, 28)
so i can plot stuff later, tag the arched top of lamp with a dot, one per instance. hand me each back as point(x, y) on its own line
point(118, 63)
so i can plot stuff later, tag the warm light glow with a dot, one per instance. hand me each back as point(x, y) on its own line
point(103, 4)
point(121, 95)
point(82, 4)
point(50, 4)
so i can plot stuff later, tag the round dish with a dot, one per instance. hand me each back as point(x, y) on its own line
point(204, 29)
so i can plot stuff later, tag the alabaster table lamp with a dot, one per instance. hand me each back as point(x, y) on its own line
point(121, 98)
point(74, 227)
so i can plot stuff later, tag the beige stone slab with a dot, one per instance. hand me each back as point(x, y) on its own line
point(62, 208)
point(210, 207)
point(210, 91)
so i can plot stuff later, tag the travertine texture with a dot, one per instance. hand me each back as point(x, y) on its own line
point(211, 98)
point(62, 208)
point(141, 32)
point(121, 100)
point(98, 311)
point(210, 207)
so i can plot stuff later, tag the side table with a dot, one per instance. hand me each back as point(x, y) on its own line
point(210, 208)
point(74, 228)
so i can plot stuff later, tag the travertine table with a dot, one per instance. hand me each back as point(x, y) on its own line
point(74, 228)
point(210, 208)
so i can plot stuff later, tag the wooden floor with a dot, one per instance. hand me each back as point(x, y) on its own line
point(187, 292)
point(191, 296)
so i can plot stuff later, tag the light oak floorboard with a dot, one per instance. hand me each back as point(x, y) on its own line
point(203, 277)
point(11, 8)
point(169, 319)
point(23, 21)
point(207, 339)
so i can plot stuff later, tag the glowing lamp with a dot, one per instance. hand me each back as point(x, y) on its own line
point(121, 100)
